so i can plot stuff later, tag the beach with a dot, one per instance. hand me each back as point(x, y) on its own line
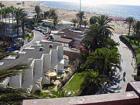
point(119, 26)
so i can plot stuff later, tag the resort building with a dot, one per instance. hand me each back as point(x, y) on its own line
point(45, 59)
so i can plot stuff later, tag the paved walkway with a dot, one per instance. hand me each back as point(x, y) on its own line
point(127, 63)
point(38, 36)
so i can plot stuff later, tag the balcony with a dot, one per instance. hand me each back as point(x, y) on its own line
point(130, 97)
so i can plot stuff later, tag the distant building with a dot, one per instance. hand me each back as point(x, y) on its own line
point(8, 28)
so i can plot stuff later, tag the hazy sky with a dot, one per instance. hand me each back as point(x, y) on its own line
point(126, 2)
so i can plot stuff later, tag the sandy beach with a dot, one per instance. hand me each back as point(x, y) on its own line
point(67, 15)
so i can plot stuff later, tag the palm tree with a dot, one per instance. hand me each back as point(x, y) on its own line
point(55, 21)
point(74, 22)
point(2, 21)
point(52, 13)
point(129, 21)
point(85, 23)
point(93, 20)
point(80, 17)
point(11, 71)
point(105, 28)
point(46, 14)
point(2, 5)
point(23, 19)
point(20, 18)
point(98, 33)
point(7, 12)
point(12, 12)
point(4, 14)
point(136, 28)
point(37, 10)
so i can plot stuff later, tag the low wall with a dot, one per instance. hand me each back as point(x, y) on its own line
point(128, 98)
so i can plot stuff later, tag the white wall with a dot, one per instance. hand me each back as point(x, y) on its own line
point(27, 81)
point(46, 62)
point(38, 72)
point(16, 81)
point(60, 52)
point(46, 67)
point(54, 58)
point(33, 77)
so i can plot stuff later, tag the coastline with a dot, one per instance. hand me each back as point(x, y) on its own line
point(67, 15)
point(117, 22)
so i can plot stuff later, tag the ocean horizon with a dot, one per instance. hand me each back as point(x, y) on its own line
point(122, 11)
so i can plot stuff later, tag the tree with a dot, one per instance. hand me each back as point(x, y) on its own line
point(5, 12)
point(98, 33)
point(95, 82)
point(52, 13)
point(23, 19)
point(106, 63)
point(85, 23)
point(136, 29)
point(74, 21)
point(55, 21)
point(37, 10)
point(2, 5)
point(18, 17)
point(3, 15)
point(80, 17)
point(46, 14)
point(129, 21)
point(93, 20)
point(105, 28)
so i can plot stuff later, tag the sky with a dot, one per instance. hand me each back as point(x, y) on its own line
point(96, 2)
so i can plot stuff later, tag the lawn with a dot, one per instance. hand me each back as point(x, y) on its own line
point(76, 84)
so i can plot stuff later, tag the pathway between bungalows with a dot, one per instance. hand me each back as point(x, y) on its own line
point(38, 36)
point(127, 63)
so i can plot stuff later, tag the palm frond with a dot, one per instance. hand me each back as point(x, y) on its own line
point(12, 71)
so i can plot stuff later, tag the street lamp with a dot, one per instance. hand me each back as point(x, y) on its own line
point(80, 5)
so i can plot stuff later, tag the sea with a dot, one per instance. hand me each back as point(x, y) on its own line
point(122, 11)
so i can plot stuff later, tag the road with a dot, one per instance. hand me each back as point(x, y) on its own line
point(127, 63)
